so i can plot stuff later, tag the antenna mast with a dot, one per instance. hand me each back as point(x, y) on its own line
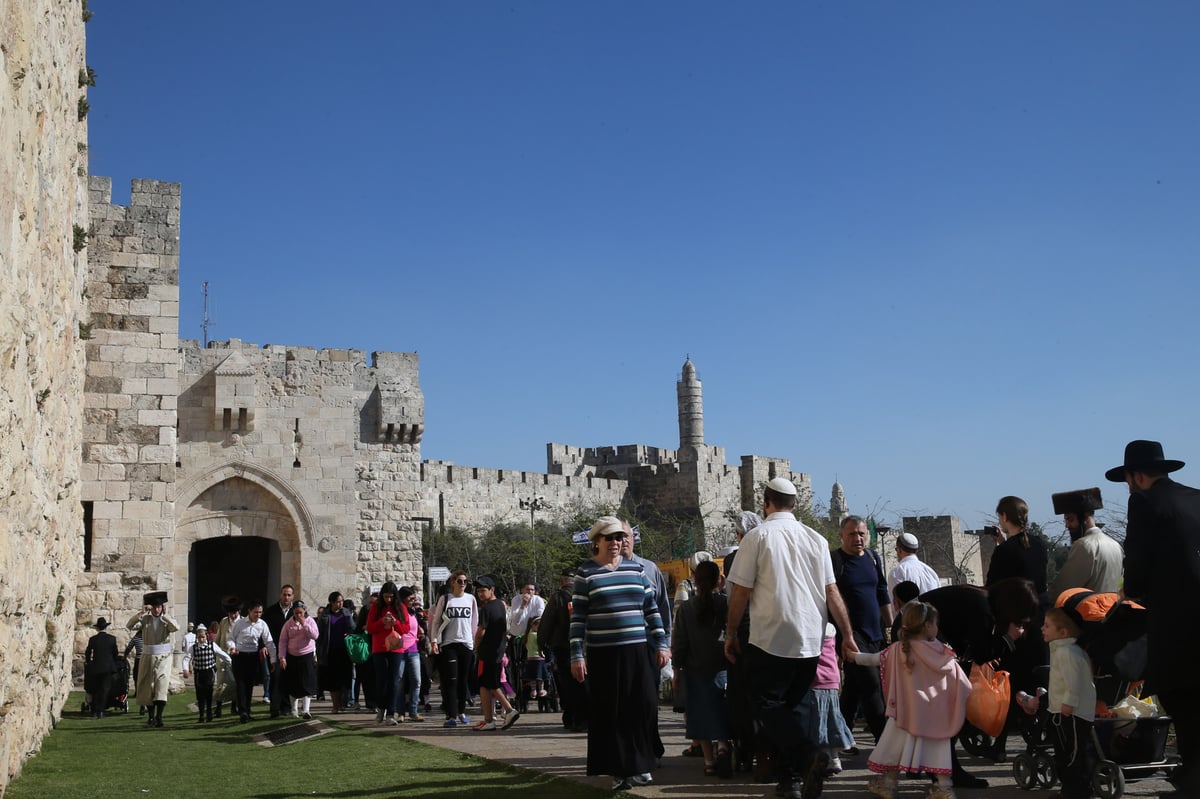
point(205, 322)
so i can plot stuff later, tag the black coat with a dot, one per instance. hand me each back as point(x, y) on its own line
point(1162, 569)
point(1014, 559)
point(101, 655)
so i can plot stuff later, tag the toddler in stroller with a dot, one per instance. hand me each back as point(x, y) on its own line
point(1112, 633)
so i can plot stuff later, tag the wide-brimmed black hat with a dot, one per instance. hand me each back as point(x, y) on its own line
point(154, 598)
point(1082, 502)
point(101, 623)
point(1142, 456)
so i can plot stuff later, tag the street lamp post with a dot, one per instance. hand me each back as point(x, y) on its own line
point(533, 504)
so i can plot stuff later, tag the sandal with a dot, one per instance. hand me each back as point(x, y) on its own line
point(710, 770)
point(693, 751)
point(724, 764)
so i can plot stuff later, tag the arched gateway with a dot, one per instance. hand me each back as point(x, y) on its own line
point(240, 529)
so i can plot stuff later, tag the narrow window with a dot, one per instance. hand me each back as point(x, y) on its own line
point(87, 536)
point(242, 419)
point(226, 419)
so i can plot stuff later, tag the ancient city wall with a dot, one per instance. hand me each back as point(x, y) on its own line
point(129, 400)
point(43, 219)
point(474, 498)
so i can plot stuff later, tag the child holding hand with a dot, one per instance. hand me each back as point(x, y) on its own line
point(925, 694)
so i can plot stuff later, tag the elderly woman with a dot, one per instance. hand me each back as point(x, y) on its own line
point(297, 643)
point(614, 617)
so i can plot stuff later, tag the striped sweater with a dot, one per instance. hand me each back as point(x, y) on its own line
point(614, 607)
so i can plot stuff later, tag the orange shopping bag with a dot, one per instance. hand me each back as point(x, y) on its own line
point(987, 707)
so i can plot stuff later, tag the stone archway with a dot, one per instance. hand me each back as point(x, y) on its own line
point(259, 515)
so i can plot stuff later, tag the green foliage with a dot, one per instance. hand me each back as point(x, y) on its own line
point(85, 331)
point(83, 108)
point(41, 398)
point(87, 15)
point(87, 77)
point(80, 237)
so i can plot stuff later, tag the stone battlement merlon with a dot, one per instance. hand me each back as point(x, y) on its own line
point(437, 472)
point(378, 360)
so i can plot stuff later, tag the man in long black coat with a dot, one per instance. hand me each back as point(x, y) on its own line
point(1162, 565)
point(100, 661)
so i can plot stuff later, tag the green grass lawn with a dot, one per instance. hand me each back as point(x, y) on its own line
point(118, 756)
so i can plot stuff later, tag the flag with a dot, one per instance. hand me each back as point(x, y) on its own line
point(874, 533)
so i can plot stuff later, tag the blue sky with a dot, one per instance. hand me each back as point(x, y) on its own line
point(942, 252)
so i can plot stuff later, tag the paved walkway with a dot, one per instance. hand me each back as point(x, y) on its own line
point(538, 742)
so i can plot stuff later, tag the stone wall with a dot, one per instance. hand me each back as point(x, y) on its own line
point(43, 151)
point(953, 554)
point(129, 400)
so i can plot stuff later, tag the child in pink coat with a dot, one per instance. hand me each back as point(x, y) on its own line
point(925, 691)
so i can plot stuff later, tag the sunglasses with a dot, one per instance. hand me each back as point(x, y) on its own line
point(614, 537)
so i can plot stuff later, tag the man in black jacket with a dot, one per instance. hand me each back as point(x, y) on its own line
point(99, 665)
point(1162, 564)
point(554, 638)
point(275, 616)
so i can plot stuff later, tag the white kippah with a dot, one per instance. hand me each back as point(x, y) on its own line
point(781, 485)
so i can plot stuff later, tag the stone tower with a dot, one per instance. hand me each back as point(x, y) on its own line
point(838, 510)
point(691, 413)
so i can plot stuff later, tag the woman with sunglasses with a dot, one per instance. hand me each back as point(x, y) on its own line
point(614, 618)
point(452, 639)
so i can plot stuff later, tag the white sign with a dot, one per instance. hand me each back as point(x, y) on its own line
point(439, 574)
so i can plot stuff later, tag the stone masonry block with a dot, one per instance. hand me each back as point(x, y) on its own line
point(157, 454)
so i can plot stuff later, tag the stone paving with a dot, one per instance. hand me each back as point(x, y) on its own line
point(538, 742)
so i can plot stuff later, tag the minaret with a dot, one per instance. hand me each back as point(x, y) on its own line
point(838, 510)
point(691, 413)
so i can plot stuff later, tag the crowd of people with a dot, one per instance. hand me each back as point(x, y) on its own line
point(778, 656)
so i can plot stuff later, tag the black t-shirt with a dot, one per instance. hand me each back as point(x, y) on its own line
point(864, 590)
point(494, 623)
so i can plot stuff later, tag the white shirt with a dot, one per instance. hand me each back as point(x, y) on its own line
point(245, 635)
point(787, 565)
point(522, 612)
point(912, 569)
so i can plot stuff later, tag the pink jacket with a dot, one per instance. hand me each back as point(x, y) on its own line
point(827, 666)
point(300, 640)
point(930, 699)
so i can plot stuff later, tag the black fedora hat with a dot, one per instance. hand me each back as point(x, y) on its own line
point(1142, 456)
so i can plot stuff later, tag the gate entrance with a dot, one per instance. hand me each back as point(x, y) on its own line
point(241, 566)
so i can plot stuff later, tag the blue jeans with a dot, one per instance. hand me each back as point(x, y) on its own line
point(411, 664)
point(389, 677)
point(777, 688)
point(389, 667)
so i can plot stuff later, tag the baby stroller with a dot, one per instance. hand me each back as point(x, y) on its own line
point(524, 687)
point(1113, 633)
point(118, 695)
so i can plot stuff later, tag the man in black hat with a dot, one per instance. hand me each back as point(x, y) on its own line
point(1162, 565)
point(154, 676)
point(1094, 561)
point(99, 664)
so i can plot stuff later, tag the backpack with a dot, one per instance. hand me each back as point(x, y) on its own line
point(839, 563)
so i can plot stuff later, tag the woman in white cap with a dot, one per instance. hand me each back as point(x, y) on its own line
point(614, 617)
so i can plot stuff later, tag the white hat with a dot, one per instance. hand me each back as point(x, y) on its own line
point(605, 525)
point(781, 485)
point(908, 542)
point(700, 557)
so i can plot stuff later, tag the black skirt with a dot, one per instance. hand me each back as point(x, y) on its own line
point(623, 711)
point(300, 676)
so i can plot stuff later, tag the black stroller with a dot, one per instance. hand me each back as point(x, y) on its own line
point(524, 688)
point(1114, 636)
point(118, 694)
